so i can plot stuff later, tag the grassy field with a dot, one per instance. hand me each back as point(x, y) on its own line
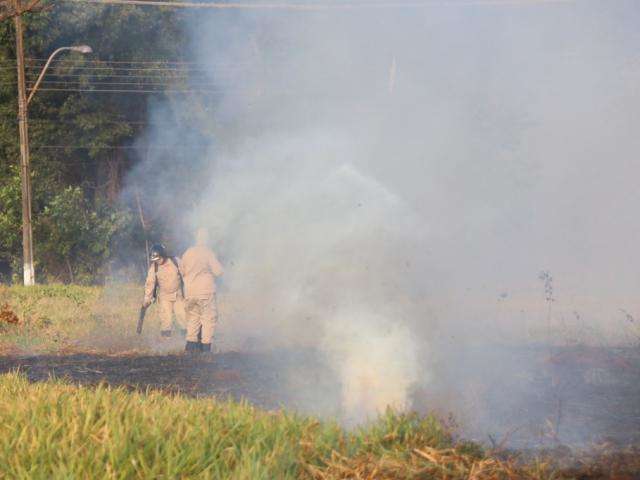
point(55, 430)
point(61, 318)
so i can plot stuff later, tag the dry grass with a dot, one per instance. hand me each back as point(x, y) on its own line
point(423, 463)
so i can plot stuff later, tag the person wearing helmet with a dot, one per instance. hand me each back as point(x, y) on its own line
point(200, 268)
point(164, 282)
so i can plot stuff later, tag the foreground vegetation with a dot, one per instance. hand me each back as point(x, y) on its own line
point(56, 430)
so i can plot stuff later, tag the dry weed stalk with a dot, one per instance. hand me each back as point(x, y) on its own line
point(421, 463)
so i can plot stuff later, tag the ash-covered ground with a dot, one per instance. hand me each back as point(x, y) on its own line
point(578, 396)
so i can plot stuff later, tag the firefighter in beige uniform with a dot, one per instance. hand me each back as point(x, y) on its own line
point(164, 281)
point(199, 268)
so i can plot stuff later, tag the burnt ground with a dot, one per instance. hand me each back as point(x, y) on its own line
point(520, 397)
point(539, 397)
point(262, 379)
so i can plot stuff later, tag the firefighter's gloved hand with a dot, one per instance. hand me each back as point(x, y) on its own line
point(146, 303)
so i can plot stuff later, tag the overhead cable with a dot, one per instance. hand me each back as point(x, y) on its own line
point(346, 5)
point(122, 147)
point(117, 76)
point(133, 84)
point(108, 90)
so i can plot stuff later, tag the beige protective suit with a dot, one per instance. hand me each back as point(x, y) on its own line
point(170, 298)
point(200, 267)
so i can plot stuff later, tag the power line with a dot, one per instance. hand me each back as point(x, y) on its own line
point(54, 85)
point(78, 84)
point(96, 90)
point(149, 69)
point(114, 121)
point(105, 77)
point(52, 122)
point(99, 61)
point(134, 66)
point(127, 69)
point(123, 147)
point(212, 91)
point(345, 5)
point(159, 62)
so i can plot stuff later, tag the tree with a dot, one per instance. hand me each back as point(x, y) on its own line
point(82, 143)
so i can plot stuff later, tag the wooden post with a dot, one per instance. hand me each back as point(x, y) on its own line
point(25, 170)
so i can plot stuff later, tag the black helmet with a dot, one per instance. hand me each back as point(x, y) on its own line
point(157, 252)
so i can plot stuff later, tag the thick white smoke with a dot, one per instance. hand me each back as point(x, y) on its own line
point(317, 256)
point(387, 183)
point(376, 359)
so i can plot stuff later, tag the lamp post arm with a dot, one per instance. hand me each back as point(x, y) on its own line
point(44, 70)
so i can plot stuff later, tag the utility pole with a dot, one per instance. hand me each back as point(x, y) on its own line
point(16, 10)
point(25, 170)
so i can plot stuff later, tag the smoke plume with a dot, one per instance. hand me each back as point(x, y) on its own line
point(386, 185)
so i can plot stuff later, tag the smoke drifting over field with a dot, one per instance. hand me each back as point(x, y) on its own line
point(387, 184)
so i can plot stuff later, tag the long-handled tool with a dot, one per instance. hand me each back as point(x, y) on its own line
point(143, 311)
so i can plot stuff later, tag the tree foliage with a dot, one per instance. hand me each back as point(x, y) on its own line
point(76, 236)
point(84, 145)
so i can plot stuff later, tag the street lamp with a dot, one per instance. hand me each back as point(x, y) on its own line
point(25, 174)
point(76, 48)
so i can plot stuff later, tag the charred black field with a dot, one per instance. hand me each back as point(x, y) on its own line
point(576, 397)
point(258, 378)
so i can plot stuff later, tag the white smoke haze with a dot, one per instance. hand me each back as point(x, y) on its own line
point(386, 185)
point(310, 238)
point(376, 360)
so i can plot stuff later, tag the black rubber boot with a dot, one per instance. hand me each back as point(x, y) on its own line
point(207, 354)
point(192, 348)
point(166, 333)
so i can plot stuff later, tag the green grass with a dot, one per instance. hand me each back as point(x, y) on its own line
point(60, 318)
point(56, 430)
